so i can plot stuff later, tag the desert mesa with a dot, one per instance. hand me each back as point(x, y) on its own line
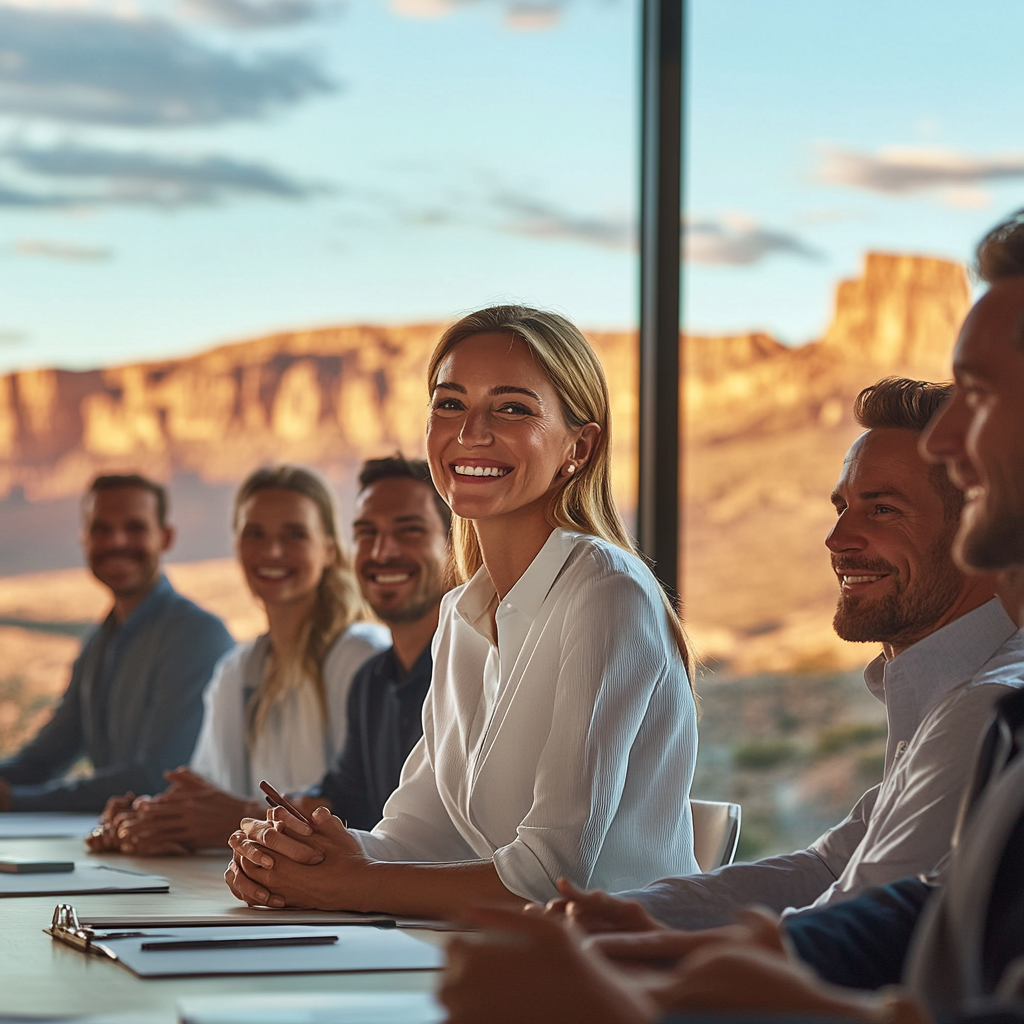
point(766, 426)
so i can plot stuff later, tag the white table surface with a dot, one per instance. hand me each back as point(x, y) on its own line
point(39, 976)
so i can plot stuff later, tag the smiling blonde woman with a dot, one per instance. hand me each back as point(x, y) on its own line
point(560, 728)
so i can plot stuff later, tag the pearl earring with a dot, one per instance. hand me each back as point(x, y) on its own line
point(570, 469)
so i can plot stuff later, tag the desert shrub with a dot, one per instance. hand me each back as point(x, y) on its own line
point(851, 734)
point(764, 754)
point(871, 765)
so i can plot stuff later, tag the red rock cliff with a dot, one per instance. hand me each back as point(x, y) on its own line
point(766, 425)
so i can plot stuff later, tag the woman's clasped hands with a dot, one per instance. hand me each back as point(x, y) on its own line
point(281, 861)
point(189, 815)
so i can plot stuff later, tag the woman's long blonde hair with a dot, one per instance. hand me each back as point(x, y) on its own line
point(584, 502)
point(339, 601)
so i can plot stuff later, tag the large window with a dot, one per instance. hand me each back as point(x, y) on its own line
point(231, 229)
point(843, 159)
point(180, 179)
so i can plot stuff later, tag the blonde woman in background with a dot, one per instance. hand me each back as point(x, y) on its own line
point(560, 729)
point(275, 708)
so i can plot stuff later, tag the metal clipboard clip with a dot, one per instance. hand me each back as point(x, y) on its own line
point(65, 927)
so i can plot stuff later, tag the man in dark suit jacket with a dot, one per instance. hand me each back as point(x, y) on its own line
point(401, 531)
point(134, 704)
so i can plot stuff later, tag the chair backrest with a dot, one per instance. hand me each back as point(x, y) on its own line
point(716, 831)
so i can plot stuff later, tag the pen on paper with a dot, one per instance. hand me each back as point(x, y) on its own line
point(276, 800)
point(283, 940)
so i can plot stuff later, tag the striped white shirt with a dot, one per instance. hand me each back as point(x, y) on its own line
point(567, 747)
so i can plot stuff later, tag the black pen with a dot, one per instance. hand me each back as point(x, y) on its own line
point(283, 940)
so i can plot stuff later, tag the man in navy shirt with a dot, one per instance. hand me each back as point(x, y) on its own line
point(134, 704)
point(401, 550)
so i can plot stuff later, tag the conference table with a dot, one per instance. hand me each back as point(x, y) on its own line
point(45, 978)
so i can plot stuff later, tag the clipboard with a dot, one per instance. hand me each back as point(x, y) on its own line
point(313, 1008)
point(158, 952)
point(46, 825)
point(86, 879)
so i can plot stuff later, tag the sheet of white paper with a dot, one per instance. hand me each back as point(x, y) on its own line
point(313, 1008)
point(357, 949)
point(86, 878)
point(40, 825)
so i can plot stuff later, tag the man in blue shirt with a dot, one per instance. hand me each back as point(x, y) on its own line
point(134, 704)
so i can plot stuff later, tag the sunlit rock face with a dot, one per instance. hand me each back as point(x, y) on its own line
point(766, 429)
point(902, 312)
point(324, 397)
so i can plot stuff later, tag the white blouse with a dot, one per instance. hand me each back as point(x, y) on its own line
point(296, 747)
point(568, 747)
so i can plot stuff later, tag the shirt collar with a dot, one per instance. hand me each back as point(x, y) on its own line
point(421, 667)
point(530, 589)
point(929, 669)
point(146, 609)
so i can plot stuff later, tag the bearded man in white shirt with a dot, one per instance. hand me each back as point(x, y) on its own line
point(947, 656)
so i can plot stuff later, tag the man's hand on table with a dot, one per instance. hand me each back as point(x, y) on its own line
point(596, 911)
point(667, 948)
point(740, 980)
point(535, 967)
point(103, 838)
point(282, 862)
point(189, 815)
point(531, 967)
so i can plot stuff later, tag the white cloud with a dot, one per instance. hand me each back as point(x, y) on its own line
point(425, 8)
point(90, 176)
point(528, 17)
point(88, 67)
point(955, 178)
point(729, 240)
point(540, 219)
point(61, 251)
point(733, 240)
point(248, 15)
point(518, 15)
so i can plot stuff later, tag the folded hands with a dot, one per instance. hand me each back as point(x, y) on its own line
point(541, 965)
point(281, 861)
point(189, 815)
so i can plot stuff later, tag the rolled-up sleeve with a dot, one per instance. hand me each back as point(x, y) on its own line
point(416, 825)
point(912, 825)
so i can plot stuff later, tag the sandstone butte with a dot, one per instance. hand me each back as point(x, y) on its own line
point(766, 429)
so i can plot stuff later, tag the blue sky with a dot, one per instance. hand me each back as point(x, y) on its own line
point(180, 173)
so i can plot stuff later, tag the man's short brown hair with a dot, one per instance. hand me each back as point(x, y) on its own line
point(111, 481)
point(1000, 254)
point(900, 403)
point(398, 465)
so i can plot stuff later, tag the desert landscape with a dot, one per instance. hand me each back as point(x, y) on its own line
point(766, 427)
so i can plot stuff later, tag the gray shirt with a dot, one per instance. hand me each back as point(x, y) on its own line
point(939, 695)
point(133, 707)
